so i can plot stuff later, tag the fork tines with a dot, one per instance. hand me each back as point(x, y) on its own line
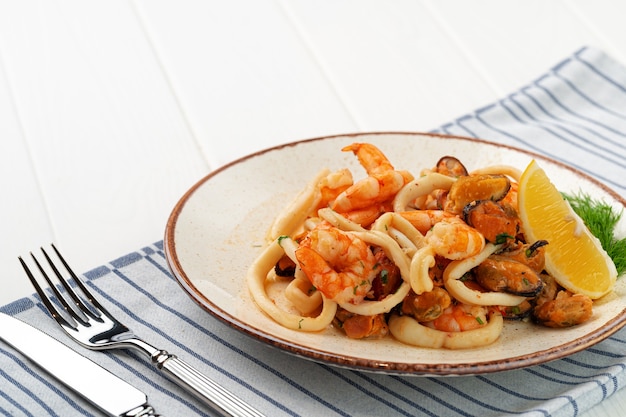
point(73, 305)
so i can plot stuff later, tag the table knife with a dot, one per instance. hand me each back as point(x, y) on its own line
point(109, 393)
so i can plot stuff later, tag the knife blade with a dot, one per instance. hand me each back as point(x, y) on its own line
point(109, 393)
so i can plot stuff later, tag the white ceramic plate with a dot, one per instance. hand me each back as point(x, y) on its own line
point(217, 229)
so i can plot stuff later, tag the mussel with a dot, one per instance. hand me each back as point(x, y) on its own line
point(497, 222)
point(565, 310)
point(532, 255)
point(518, 312)
point(356, 326)
point(500, 273)
point(471, 188)
point(426, 306)
point(285, 267)
point(450, 166)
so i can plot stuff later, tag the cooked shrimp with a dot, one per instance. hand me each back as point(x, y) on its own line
point(454, 239)
point(424, 220)
point(340, 265)
point(367, 215)
point(410, 331)
point(381, 184)
point(333, 184)
point(460, 317)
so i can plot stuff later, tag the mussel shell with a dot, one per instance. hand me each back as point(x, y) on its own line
point(477, 187)
point(285, 267)
point(518, 312)
point(451, 166)
point(495, 221)
point(498, 273)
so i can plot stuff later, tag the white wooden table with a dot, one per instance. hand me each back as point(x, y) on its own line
point(110, 110)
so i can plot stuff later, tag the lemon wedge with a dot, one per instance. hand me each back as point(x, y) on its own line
point(574, 257)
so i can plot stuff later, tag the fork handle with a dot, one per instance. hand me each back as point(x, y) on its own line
point(210, 392)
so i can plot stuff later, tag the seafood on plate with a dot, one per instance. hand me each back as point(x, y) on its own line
point(434, 259)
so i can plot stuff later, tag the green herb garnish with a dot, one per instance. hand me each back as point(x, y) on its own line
point(384, 276)
point(601, 219)
point(466, 277)
point(502, 238)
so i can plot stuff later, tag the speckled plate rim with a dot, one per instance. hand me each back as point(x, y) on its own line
point(472, 367)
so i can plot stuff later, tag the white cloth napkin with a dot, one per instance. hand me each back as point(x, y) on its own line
point(575, 113)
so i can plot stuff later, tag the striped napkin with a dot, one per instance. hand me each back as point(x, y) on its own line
point(575, 113)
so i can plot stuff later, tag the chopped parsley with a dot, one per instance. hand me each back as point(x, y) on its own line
point(384, 276)
point(466, 277)
point(502, 238)
point(356, 287)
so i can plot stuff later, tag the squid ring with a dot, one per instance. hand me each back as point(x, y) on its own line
point(422, 261)
point(256, 284)
point(401, 230)
point(297, 211)
point(419, 187)
point(461, 292)
point(393, 251)
point(408, 330)
point(507, 170)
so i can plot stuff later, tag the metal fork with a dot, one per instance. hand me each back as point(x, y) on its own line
point(90, 324)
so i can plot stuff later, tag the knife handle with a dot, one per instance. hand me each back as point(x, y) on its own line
point(209, 391)
point(143, 411)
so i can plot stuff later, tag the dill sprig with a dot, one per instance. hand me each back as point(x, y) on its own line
point(601, 220)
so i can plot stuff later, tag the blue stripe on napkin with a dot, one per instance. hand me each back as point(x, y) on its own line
point(576, 113)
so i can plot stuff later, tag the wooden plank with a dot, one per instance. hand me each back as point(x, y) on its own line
point(112, 149)
point(262, 86)
point(395, 64)
point(24, 221)
point(604, 18)
point(513, 43)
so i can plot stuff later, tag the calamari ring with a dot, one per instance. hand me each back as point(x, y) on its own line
point(461, 292)
point(419, 187)
point(303, 295)
point(391, 248)
point(339, 221)
point(256, 276)
point(507, 170)
point(409, 331)
point(395, 253)
point(422, 261)
point(401, 230)
point(372, 308)
point(298, 210)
